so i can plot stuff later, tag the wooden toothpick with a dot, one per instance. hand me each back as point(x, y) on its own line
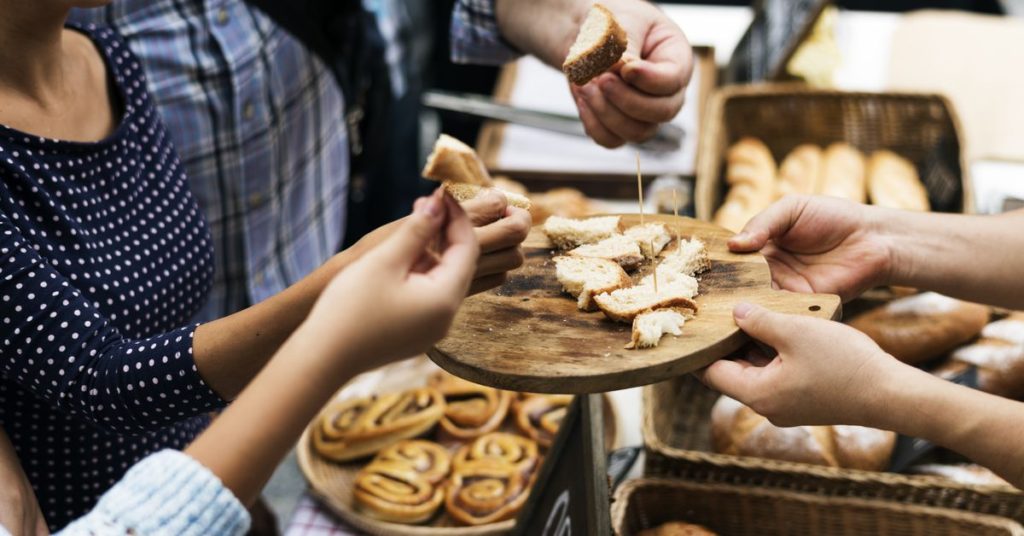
point(655, 267)
point(675, 212)
point(640, 188)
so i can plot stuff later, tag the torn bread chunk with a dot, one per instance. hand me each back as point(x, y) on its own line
point(585, 277)
point(625, 304)
point(619, 248)
point(650, 235)
point(452, 160)
point(567, 233)
point(598, 47)
point(649, 326)
point(689, 259)
point(464, 192)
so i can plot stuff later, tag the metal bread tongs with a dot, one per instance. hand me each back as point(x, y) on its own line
point(667, 139)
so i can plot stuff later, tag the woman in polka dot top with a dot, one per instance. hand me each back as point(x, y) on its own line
point(104, 257)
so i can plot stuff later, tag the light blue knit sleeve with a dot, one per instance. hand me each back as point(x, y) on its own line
point(167, 493)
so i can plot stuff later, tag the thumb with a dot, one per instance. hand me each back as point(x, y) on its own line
point(774, 329)
point(771, 223)
point(735, 379)
point(417, 233)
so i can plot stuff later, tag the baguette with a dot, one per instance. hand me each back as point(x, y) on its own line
point(598, 46)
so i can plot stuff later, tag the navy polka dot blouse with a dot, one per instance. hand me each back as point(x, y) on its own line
point(104, 257)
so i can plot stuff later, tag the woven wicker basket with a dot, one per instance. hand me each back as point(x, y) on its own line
point(736, 510)
point(922, 128)
point(677, 438)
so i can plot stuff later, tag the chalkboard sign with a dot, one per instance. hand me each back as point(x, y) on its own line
point(778, 28)
point(909, 450)
point(571, 494)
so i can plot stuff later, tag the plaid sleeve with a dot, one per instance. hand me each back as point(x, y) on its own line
point(475, 35)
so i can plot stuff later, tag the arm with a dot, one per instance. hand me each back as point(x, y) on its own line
point(19, 510)
point(829, 373)
point(819, 244)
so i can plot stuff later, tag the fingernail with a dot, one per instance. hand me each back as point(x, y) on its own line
point(741, 237)
point(742, 309)
point(588, 91)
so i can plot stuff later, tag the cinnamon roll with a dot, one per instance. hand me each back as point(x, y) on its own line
point(394, 491)
point(540, 416)
point(516, 451)
point(471, 410)
point(485, 490)
point(359, 427)
point(431, 460)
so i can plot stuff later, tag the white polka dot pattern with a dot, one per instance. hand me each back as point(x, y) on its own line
point(105, 257)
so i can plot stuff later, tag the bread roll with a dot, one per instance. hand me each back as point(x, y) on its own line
point(676, 528)
point(922, 327)
point(738, 430)
point(800, 171)
point(893, 183)
point(843, 173)
point(750, 174)
point(963, 473)
point(998, 356)
point(565, 202)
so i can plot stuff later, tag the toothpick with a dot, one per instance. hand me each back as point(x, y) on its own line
point(655, 267)
point(675, 212)
point(640, 188)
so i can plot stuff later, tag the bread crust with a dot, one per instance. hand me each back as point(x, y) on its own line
point(601, 55)
point(750, 174)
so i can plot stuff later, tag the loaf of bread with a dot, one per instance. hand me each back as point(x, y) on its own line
point(893, 182)
point(800, 171)
point(998, 356)
point(750, 175)
point(923, 326)
point(738, 430)
point(598, 46)
point(963, 473)
point(676, 528)
point(843, 173)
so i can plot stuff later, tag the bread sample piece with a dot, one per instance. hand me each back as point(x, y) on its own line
point(648, 327)
point(452, 160)
point(738, 430)
point(567, 233)
point(963, 473)
point(998, 355)
point(618, 248)
point(650, 235)
point(586, 277)
point(689, 258)
point(625, 304)
point(750, 174)
point(922, 327)
point(355, 428)
point(394, 491)
point(540, 416)
point(471, 410)
point(677, 528)
point(799, 171)
point(463, 192)
point(565, 202)
point(893, 182)
point(843, 173)
point(598, 46)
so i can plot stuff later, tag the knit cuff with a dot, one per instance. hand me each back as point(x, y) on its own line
point(168, 493)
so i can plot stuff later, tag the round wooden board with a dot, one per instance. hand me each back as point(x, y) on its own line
point(528, 335)
point(334, 482)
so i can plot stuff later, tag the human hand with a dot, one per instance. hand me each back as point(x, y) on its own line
point(819, 244)
point(400, 297)
point(824, 373)
point(19, 510)
point(649, 89)
point(500, 229)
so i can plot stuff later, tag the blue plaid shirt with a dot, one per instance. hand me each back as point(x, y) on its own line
point(258, 122)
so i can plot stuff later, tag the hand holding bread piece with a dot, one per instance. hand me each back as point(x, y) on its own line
point(598, 46)
point(462, 173)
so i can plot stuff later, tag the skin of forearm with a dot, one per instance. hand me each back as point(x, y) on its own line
point(246, 442)
point(975, 258)
point(975, 424)
point(544, 28)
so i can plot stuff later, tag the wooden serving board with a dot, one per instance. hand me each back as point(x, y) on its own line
point(528, 335)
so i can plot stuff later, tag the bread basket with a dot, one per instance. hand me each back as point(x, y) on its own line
point(920, 127)
point(676, 431)
point(739, 510)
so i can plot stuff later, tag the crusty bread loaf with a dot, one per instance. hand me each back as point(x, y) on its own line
point(618, 248)
point(650, 235)
point(998, 356)
point(585, 277)
point(893, 182)
point(800, 171)
point(598, 46)
point(648, 327)
point(568, 233)
point(452, 160)
point(750, 174)
point(464, 192)
point(738, 430)
point(677, 528)
point(624, 304)
point(843, 173)
point(922, 327)
point(963, 473)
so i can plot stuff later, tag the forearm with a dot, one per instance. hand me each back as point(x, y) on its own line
point(544, 28)
point(978, 425)
point(975, 258)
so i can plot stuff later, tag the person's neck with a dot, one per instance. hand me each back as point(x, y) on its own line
point(32, 51)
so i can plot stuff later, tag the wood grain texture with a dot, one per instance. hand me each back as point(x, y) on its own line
point(528, 335)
